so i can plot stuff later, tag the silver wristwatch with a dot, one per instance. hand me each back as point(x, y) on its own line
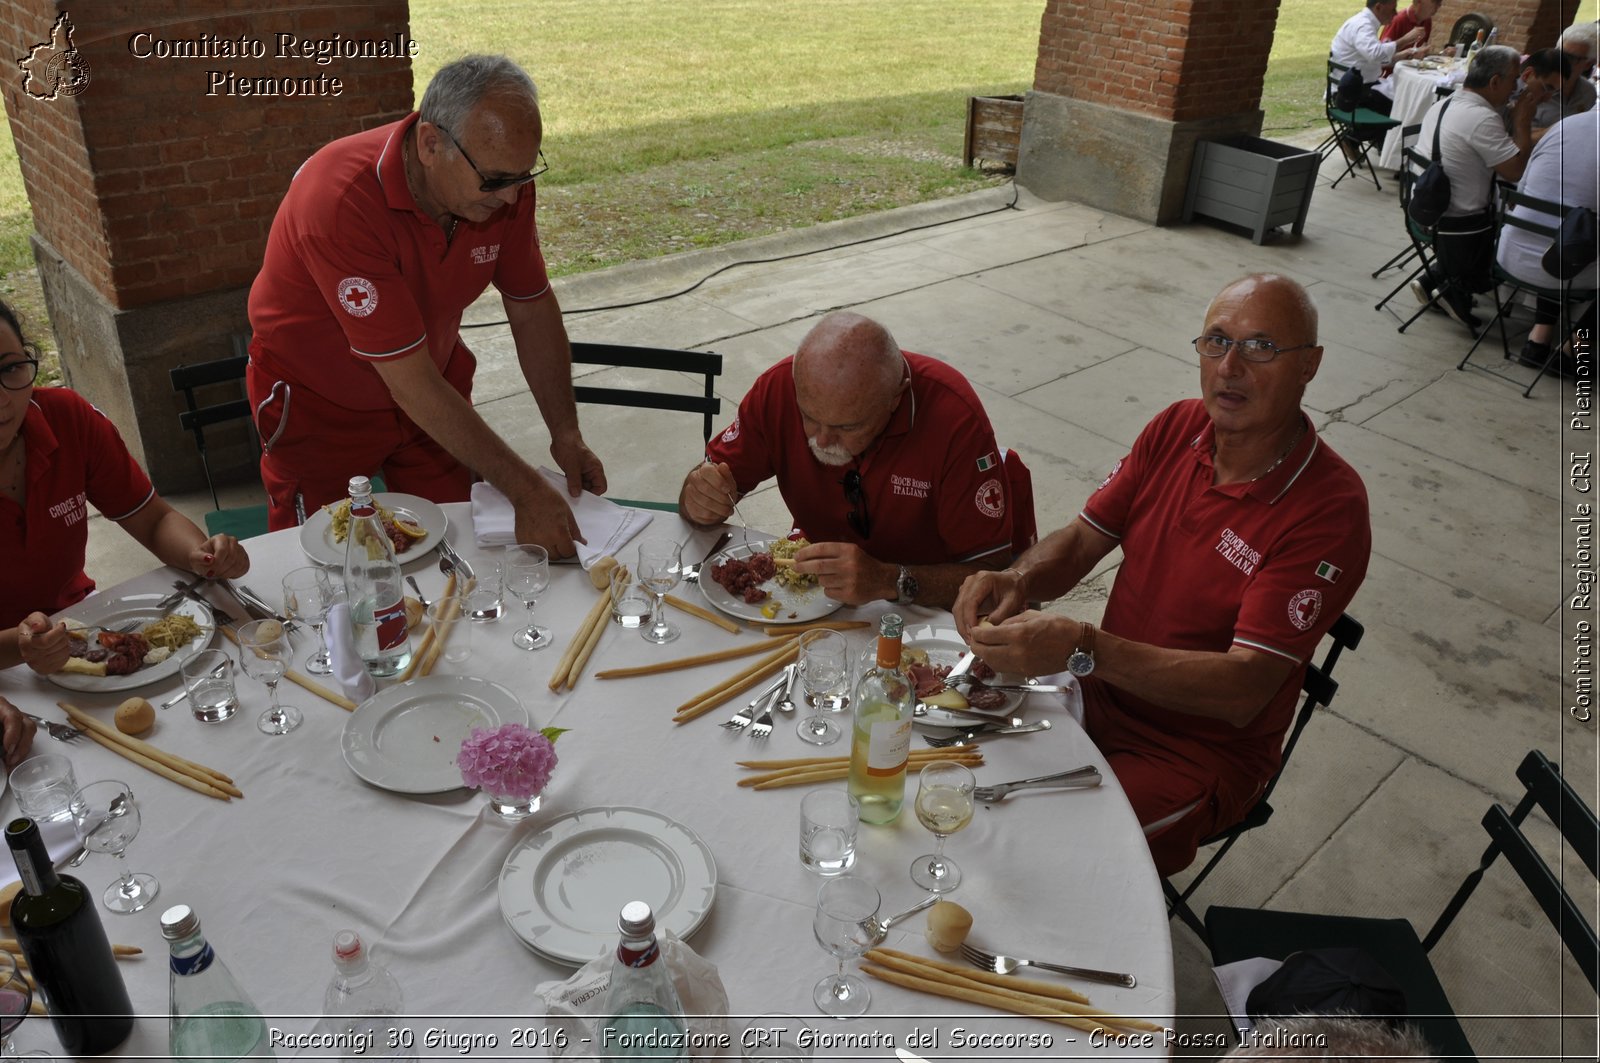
point(906, 587)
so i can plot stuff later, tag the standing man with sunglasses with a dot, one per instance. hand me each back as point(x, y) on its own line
point(1243, 536)
point(356, 358)
point(885, 459)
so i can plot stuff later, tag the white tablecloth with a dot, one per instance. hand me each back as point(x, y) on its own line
point(1413, 94)
point(311, 848)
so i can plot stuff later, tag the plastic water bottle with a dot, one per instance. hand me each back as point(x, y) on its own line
point(211, 1018)
point(646, 1017)
point(361, 1003)
point(375, 586)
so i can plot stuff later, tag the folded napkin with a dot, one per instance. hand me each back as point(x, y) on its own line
point(577, 1005)
point(60, 838)
point(606, 525)
point(348, 667)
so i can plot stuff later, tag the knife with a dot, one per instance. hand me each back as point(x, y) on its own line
point(989, 731)
point(183, 588)
point(216, 610)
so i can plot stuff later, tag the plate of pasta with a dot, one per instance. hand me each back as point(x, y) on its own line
point(108, 657)
point(414, 526)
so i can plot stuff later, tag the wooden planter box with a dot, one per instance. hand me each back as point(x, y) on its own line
point(1259, 184)
point(994, 129)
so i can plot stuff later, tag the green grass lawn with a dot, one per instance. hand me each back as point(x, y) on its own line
point(674, 124)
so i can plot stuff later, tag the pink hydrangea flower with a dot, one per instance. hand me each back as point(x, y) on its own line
point(508, 761)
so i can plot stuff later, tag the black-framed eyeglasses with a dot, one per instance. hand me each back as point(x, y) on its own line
point(858, 517)
point(14, 376)
point(1251, 350)
point(497, 184)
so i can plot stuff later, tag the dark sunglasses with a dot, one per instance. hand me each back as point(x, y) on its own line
point(497, 184)
point(858, 517)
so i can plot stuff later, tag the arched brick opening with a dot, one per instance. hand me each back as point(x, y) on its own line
point(153, 186)
point(1123, 90)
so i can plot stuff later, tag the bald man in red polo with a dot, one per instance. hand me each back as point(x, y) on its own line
point(1244, 537)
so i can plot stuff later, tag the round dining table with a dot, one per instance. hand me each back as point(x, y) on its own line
point(1416, 85)
point(311, 848)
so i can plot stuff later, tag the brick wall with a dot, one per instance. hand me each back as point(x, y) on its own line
point(1523, 24)
point(1180, 60)
point(160, 180)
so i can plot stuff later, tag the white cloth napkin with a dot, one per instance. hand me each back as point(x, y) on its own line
point(59, 839)
point(606, 525)
point(348, 667)
point(577, 1005)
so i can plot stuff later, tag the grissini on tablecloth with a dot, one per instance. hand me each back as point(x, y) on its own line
point(581, 661)
point(943, 753)
point(10, 945)
point(299, 680)
point(452, 608)
point(704, 614)
point(796, 629)
point(826, 769)
point(765, 646)
point(199, 772)
point(416, 664)
point(182, 778)
point(595, 617)
point(741, 681)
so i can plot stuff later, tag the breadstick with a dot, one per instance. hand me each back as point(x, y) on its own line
point(160, 769)
point(710, 699)
point(694, 662)
point(824, 773)
point(830, 625)
point(84, 722)
point(418, 662)
point(580, 662)
point(978, 996)
point(704, 614)
point(452, 610)
point(590, 620)
point(10, 945)
point(295, 677)
point(915, 754)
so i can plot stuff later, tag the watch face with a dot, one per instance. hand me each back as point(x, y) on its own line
point(1080, 663)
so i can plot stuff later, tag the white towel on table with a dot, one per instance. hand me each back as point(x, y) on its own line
point(606, 525)
point(348, 667)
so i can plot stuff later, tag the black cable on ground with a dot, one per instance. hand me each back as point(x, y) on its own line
point(1015, 193)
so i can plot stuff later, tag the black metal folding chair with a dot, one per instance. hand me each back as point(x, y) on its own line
point(1350, 127)
point(239, 521)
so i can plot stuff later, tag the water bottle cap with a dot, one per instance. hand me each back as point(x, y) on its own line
point(360, 485)
point(179, 921)
point(636, 920)
point(347, 947)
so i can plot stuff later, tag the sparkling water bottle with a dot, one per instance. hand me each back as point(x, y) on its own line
point(211, 1018)
point(361, 1004)
point(375, 586)
point(646, 1017)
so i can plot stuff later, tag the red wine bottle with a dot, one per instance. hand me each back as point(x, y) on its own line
point(56, 924)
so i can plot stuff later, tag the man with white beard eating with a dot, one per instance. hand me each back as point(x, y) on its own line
point(886, 461)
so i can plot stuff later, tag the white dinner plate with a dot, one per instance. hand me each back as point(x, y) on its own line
point(406, 738)
point(115, 611)
point(794, 607)
point(944, 647)
point(561, 889)
point(316, 534)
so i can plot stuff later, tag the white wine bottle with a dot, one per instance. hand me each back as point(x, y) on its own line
point(881, 742)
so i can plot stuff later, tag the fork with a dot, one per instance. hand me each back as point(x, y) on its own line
point(990, 961)
point(452, 563)
point(1083, 777)
point(763, 725)
point(59, 731)
point(692, 573)
point(742, 718)
point(986, 731)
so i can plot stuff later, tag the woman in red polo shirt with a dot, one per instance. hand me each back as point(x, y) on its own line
point(58, 456)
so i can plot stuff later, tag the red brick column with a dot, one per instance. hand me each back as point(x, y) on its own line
point(1123, 89)
point(155, 145)
point(1526, 25)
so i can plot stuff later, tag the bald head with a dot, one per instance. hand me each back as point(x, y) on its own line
point(848, 378)
point(1286, 300)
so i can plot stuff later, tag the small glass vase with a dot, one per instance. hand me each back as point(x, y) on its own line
point(513, 809)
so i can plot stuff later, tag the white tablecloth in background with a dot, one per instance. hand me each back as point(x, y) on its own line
point(311, 848)
point(1413, 95)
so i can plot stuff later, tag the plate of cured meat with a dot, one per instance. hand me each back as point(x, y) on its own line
point(751, 581)
point(121, 642)
point(929, 652)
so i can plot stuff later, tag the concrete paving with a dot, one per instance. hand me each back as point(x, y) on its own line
point(1074, 327)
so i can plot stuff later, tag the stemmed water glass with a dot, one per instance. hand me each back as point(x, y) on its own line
point(823, 671)
point(307, 594)
point(944, 806)
point(527, 574)
point(264, 654)
point(107, 818)
point(16, 998)
point(846, 926)
point(660, 568)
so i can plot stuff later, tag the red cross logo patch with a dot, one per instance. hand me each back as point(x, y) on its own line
point(358, 296)
point(991, 499)
point(1304, 608)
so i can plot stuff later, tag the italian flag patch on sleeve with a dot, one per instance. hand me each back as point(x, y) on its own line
point(1331, 573)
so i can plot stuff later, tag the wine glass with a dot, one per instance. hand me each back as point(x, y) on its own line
point(846, 926)
point(264, 654)
point(944, 806)
point(16, 998)
point(307, 593)
point(107, 819)
point(824, 666)
point(527, 574)
point(660, 567)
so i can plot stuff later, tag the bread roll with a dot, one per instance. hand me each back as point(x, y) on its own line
point(600, 572)
point(414, 612)
point(948, 926)
point(135, 716)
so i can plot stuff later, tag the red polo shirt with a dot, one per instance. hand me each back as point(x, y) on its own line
point(355, 272)
point(934, 486)
point(75, 459)
point(1269, 564)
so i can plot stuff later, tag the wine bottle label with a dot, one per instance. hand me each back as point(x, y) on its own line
point(186, 965)
point(391, 624)
point(888, 748)
point(31, 880)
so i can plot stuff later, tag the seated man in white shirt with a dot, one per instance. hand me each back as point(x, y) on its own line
point(1473, 148)
point(1357, 46)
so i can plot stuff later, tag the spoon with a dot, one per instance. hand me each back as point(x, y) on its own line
point(785, 703)
point(879, 928)
point(119, 807)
